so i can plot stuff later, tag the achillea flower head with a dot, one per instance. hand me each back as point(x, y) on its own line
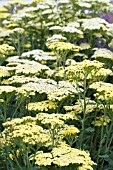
point(17, 31)
point(5, 50)
point(72, 30)
point(43, 159)
point(4, 72)
point(62, 46)
point(70, 131)
point(82, 70)
point(42, 106)
point(7, 89)
point(78, 107)
point(24, 92)
point(64, 155)
point(37, 55)
point(94, 24)
point(101, 121)
point(55, 38)
point(104, 91)
point(103, 53)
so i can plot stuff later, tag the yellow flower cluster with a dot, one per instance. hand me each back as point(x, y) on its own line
point(91, 70)
point(43, 159)
point(4, 72)
point(42, 106)
point(30, 129)
point(70, 131)
point(53, 119)
point(78, 107)
point(62, 46)
point(12, 25)
point(99, 75)
point(17, 152)
point(18, 80)
point(31, 134)
point(24, 92)
point(25, 130)
point(3, 9)
point(18, 121)
point(59, 94)
point(64, 156)
point(104, 91)
point(5, 50)
point(101, 121)
point(5, 15)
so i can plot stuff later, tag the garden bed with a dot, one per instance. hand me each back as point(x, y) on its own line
point(56, 85)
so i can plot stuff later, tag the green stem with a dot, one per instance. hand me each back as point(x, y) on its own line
point(5, 107)
point(111, 139)
point(19, 48)
point(27, 160)
point(84, 113)
point(101, 138)
point(18, 164)
point(53, 137)
point(17, 107)
point(92, 137)
point(108, 137)
point(31, 39)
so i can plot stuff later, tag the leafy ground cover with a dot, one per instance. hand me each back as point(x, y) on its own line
point(56, 85)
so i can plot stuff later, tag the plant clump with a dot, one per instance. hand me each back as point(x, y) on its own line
point(56, 85)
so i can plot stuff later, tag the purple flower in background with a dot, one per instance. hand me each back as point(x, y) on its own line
point(100, 43)
point(102, 15)
point(108, 17)
point(83, 40)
